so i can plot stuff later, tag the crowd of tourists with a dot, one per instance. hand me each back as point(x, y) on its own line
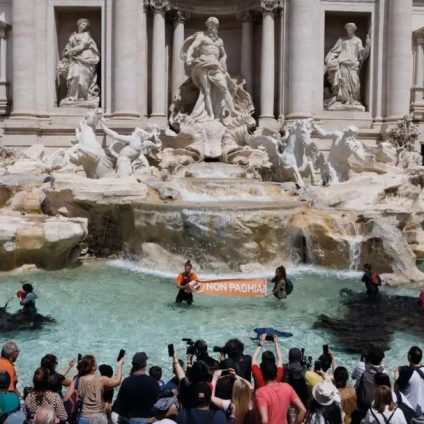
point(235, 388)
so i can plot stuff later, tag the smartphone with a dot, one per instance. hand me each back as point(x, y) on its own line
point(121, 355)
point(225, 372)
point(269, 338)
point(171, 350)
point(79, 357)
point(325, 350)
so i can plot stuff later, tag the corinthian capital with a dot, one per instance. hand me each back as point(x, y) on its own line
point(270, 6)
point(159, 4)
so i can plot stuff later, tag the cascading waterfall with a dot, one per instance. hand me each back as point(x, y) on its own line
point(354, 242)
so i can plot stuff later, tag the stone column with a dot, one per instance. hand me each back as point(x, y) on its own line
point(23, 58)
point(159, 59)
point(178, 72)
point(4, 99)
point(126, 48)
point(269, 8)
point(398, 59)
point(419, 61)
point(247, 50)
point(302, 34)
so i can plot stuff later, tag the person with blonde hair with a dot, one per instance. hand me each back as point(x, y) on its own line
point(383, 409)
point(239, 409)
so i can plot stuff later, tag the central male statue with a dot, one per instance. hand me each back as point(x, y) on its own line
point(204, 54)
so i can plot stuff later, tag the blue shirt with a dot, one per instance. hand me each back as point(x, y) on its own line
point(201, 417)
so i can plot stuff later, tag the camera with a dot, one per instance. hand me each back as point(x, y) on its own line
point(219, 349)
point(306, 360)
point(190, 346)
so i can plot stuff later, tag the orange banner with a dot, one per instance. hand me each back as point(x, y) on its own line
point(249, 287)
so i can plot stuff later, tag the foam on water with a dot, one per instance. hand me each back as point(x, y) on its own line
point(298, 269)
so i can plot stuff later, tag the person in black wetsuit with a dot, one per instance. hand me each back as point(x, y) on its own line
point(372, 281)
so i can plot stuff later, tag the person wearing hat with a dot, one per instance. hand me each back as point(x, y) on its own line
point(137, 394)
point(184, 279)
point(325, 406)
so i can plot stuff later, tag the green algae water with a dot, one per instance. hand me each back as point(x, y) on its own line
point(105, 306)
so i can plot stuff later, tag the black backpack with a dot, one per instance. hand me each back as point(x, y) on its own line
point(407, 411)
point(294, 374)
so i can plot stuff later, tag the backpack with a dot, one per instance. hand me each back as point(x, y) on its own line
point(294, 374)
point(407, 411)
point(375, 279)
point(386, 420)
point(289, 287)
point(73, 405)
point(366, 390)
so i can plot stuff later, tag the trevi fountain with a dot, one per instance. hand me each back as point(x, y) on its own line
point(240, 134)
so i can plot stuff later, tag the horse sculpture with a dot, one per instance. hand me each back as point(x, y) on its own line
point(295, 162)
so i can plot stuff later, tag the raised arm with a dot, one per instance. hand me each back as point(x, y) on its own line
point(68, 368)
point(114, 381)
point(179, 370)
point(323, 133)
point(216, 400)
point(194, 45)
point(255, 357)
point(125, 138)
point(278, 354)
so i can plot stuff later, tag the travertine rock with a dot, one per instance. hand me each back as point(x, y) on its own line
point(47, 242)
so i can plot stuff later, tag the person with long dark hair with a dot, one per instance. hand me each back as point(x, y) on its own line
point(282, 285)
point(56, 379)
point(41, 396)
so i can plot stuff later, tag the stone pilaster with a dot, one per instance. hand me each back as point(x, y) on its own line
point(178, 72)
point(127, 42)
point(159, 91)
point(302, 34)
point(247, 50)
point(23, 57)
point(268, 9)
point(398, 59)
point(4, 95)
point(418, 88)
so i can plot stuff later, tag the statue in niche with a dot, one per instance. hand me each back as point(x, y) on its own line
point(131, 150)
point(210, 94)
point(342, 67)
point(79, 68)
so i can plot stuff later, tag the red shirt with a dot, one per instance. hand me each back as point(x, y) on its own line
point(276, 398)
point(259, 379)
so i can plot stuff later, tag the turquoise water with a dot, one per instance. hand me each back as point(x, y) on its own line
point(105, 306)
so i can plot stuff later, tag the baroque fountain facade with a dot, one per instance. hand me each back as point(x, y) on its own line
point(325, 171)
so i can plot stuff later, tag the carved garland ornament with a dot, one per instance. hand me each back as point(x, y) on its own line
point(159, 4)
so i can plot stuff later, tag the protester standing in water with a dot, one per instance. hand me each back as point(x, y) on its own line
point(282, 285)
point(372, 281)
point(28, 297)
point(183, 283)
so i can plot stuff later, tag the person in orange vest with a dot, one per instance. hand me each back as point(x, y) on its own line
point(183, 283)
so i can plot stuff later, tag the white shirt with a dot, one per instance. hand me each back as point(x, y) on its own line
point(414, 392)
point(376, 417)
point(357, 373)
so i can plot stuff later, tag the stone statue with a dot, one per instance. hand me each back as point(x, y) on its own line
point(342, 66)
point(79, 67)
point(293, 156)
point(210, 94)
point(87, 151)
point(344, 146)
point(131, 150)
